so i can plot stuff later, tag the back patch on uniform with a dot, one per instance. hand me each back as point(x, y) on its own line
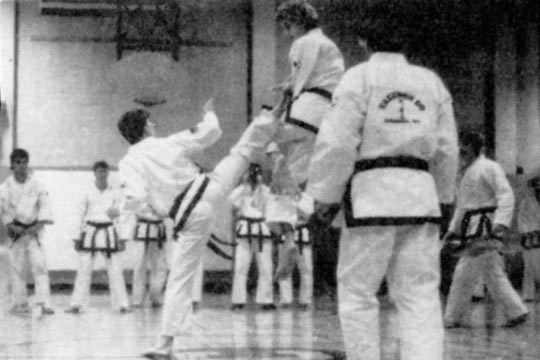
point(401, 108)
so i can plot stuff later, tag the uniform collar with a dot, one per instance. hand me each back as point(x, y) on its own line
point(388, 57)
point(315, 31)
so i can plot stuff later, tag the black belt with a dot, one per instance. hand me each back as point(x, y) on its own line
point(15, 237)
point(161, 232)
point(408, 162)
point(100, 226)
point(249, 236)
point(301, 123)
point(484, 221)
point(194, 201)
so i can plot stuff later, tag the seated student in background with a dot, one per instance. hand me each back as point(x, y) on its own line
point(96, 233)
point(27, 211)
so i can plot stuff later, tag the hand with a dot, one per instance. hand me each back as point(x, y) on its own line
point(282, 87)
point(450, 236)
point(113, 212)
point(281, 107)
point(208, 106)
point(500, 231)
point(15, 229)
point(33, 230)
point(324, 214)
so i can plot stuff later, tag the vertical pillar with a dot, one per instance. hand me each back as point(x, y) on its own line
point(8, 60)
point(264, 53)
point(506, 99)
point(528, 127)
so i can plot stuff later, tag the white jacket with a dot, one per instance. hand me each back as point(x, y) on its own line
point(387, 107)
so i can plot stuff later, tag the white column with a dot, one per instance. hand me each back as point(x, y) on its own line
point(506, 99)
point(264, 53)
point(7, 85)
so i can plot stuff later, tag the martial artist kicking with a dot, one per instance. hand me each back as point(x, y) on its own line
point(160, 172)
point(96, 233)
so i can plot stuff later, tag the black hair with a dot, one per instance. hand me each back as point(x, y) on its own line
point(132, 125)
point(298, 12)
point(101, 164)
point(18, 154)
point(384, 25)
point(474, 140)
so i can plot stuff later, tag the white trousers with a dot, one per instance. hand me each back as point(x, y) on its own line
point(305, 268)
point(409, 257)
point(28, 248)
point(531, 273)
point(117, 286)
point(5, 278)
point(244, 253)
point(465, 279)
point(152, 259)
point(188, 249)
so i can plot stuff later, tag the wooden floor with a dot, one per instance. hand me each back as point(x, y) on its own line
point(251, 333)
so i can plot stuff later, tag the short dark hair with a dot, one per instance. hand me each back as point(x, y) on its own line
point(298, 12)
point(384, 26)
point(132, 125)
point(474, 140)
point(18, 154)
point(101, 164)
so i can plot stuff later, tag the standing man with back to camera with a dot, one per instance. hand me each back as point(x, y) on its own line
point(388, 148)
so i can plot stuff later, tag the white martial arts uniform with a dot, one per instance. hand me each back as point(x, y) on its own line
point(485, 198)
point(388, 147)
point(528, 220)
point(303, 259)
point(316, 68)
point(150, 239)
point(26, 204)
point(160, 172)
point(96, 233)
point(253, 238)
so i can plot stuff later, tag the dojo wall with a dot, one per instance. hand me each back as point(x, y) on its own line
point(62, 98)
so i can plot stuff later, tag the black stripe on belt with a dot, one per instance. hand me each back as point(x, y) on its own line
point(15, 237)
point(178, 201)
point(100, 226)
point(148, 222)
point(182, 222)
point(300, 123)
point(483, 223)
point(408, 162)
point(319, 91)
